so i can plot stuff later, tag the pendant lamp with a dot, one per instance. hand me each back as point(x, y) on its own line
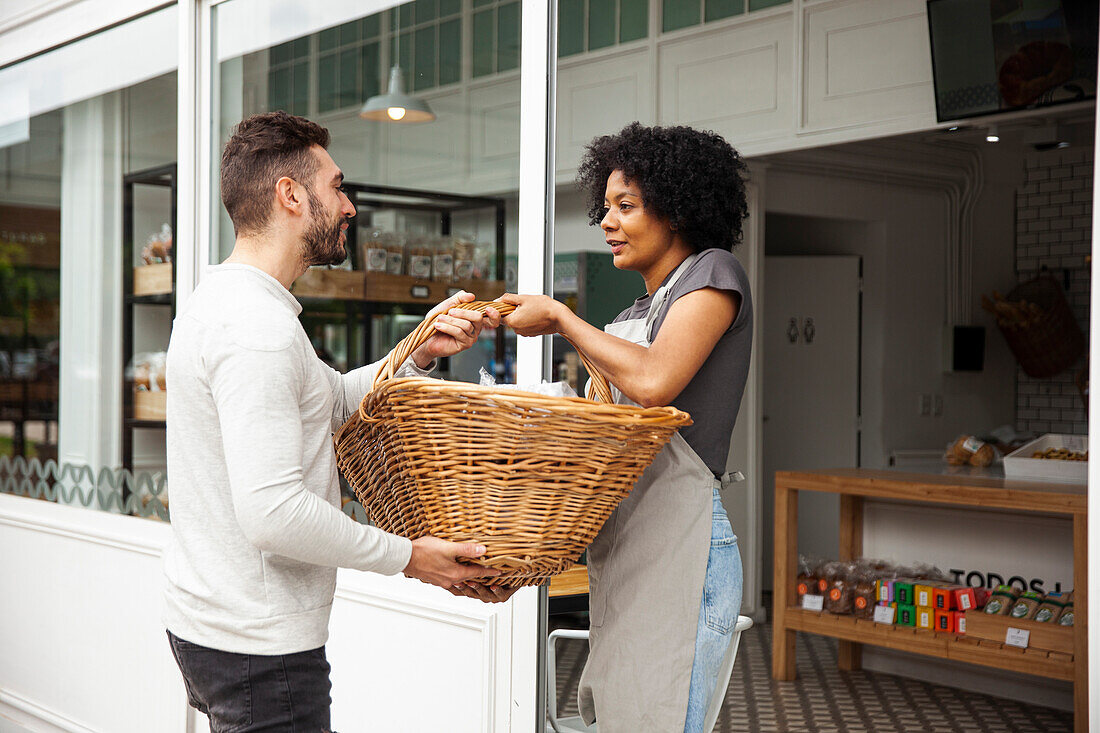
point(395, 105)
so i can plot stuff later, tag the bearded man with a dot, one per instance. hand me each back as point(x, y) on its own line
point(257, 529)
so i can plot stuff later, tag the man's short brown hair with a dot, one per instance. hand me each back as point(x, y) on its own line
point(263, 149)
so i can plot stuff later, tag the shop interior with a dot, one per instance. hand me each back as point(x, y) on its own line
point(877, 258)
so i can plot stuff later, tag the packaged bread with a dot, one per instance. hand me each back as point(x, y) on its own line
point(968, 450)
point(838, 600)
point(1065, 618)
point(1001, 600)
point(1026, 605)
point(1050, 608)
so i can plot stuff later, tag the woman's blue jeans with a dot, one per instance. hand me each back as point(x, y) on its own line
point(717, 615)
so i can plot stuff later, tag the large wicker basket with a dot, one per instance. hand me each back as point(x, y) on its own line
point(533, 478)
point(1054, 342)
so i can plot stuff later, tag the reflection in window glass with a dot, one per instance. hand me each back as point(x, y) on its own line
point(436, 201)
point(589, 25)
point(86, 243)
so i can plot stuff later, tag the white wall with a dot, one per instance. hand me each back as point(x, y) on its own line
point(84, 648)
point(902, 234)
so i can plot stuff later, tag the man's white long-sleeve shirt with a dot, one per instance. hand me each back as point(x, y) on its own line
point(257, 529)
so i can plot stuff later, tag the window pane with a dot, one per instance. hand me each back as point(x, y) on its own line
point(301, 48)
point(349, 84)
point(570, 27)
point(349, 33)
point(425, 58)
point(450, 52)
point(301, 88)
point(679, 14)
point(371, 26)
point(326, 82)
point(328, 39)
point(87, 170)
point(404, 53)
point(278, 89)
point(282, 53)
point(406, 14)
point(483, 43)
point(372, 72)
point(425, 10)
point(761, 4)
point(479, 3)
point(717, 9)
point(470, 148)
point(508, 37)
point(601, 24)
point(633, 20)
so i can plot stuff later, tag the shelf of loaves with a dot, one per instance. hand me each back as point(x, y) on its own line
point(982, 644)
point(153, 279)
point(150, 405)
point(379, 287)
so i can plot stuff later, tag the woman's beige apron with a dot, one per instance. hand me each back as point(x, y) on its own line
point(646, 569)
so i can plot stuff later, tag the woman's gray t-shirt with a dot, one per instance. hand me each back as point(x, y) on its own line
point(713, 396)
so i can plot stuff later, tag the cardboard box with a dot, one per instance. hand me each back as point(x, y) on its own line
point(150, 405)
point(903, 592)
point(922, 595)
point(907, 615)
point(153, 279)
point(966, 599)
point(1019, 465)
point(926, 617)
point(944, 621)
point(943, 597)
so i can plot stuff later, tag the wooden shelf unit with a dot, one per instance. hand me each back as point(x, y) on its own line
point(854, 486)
point(933, 643)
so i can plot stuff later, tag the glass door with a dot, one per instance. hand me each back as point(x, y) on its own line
point(450, 192)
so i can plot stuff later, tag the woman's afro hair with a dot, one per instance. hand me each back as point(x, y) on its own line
point(692, 178)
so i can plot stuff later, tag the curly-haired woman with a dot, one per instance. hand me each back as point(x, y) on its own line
point(665, 570)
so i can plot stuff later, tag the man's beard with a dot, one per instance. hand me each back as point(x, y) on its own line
point(321, 241)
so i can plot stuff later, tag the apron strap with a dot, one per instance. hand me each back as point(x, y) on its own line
point(659, 298)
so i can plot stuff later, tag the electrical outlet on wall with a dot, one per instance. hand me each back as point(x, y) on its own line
point(924, 404)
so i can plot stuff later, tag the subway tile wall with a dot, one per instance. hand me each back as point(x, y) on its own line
point(1054, 231)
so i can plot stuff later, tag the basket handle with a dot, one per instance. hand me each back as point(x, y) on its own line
point(426, 329)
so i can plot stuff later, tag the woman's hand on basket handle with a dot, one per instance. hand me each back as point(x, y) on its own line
point(435, 561)
point(535, 315)
point(455, 329)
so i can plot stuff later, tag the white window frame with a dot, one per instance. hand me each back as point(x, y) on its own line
point(195, 215)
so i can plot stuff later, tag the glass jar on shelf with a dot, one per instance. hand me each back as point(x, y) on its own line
point(443, 259)
point(465, 250)
point(420, 252)
point(395, 254)
point(372, 250)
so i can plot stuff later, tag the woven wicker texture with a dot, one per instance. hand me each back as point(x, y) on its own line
point(1053, 343)
point(533, 478)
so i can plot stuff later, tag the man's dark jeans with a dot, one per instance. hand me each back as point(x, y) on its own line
point(251, 692)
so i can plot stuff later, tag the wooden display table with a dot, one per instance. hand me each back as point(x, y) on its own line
point(853, 486)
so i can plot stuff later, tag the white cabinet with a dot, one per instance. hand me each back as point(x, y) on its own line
point(866, 62)
point(600, 97)
point(737, 82)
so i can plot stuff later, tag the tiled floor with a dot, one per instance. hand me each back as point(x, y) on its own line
point(826, 700)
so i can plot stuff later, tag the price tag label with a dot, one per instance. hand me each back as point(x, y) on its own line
point(813, 603)
point(1017, 637)
point(884, 614)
